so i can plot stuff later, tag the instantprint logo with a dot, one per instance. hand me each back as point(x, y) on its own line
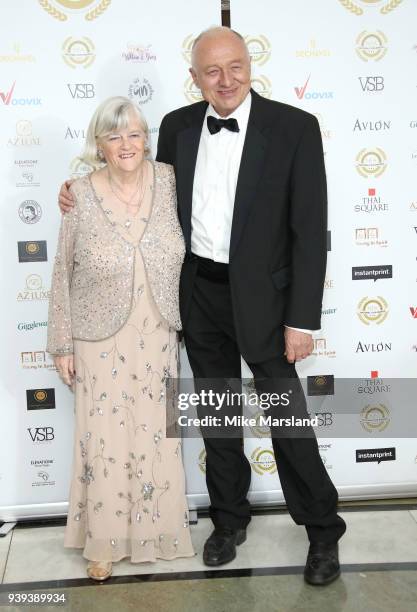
point(302, 93)
point(36, 360)
point(371, 272)
point(202, 460)
point(41, 435)
point(40, 399)
point(371, 45)
point(259, 49)
point(8, 99)
point(191, 91)
point(78, 52)
point(321, 349)
point(24, 136)
point(81, 90)
point(16, 57)
point(32, 251)
point(371, 162)
point(371, 203)
point(29, 326)
point(313, 51)
point(262, 461)
point(325, 133)
point(262, 85)
point(372, 83)
point(141, 91)
point(371, 126)
point(79, 168)
point(30, 211)
point(357, 7)
point(372, 310)
point(320, 385)
point(34, 290)
point(62, 9)
point(138, 54)
point(369, 236)
point(375, 454)
point(187, 46)
point(375, 418)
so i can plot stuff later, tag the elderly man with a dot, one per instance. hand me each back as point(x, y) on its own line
point(251, 192)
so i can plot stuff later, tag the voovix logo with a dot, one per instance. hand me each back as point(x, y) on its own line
point(312, 95)
point(8, 99)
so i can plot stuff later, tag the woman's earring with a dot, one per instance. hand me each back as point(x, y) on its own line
point(100, 155)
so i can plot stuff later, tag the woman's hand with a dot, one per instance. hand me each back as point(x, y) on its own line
point(65, 199)
point(65, 367)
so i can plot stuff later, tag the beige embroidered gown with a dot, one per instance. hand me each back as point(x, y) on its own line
point(127, 495)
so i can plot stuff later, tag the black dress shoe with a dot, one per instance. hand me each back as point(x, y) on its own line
point(322, 566)
point(220, 547)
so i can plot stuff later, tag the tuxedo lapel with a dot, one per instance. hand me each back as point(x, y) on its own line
point(250, 170)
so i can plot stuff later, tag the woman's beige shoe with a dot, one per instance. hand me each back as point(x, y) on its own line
point(99, 570)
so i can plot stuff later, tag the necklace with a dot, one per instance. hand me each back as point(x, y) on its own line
point(128, 204)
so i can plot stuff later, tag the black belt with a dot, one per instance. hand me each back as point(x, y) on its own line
point(212, 270)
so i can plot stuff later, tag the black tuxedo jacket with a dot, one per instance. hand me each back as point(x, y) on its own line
point(278, 243)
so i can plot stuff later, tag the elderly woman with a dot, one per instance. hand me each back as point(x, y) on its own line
point(113, 321)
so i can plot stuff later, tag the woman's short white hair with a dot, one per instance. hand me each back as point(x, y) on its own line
point(110, 115)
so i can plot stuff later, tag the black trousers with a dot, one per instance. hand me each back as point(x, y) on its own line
point(210, 340)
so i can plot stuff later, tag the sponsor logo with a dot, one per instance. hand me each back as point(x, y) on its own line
point(34, 291)
point(260, 430)
point(323, 450)
point(30, 211)
point(39, 463)
point(375, 454)
point(27, 180)
point(202, 460)
point(191, 91)
point(16, 57)
point(329, 283)
point(262, 85)
point(329, 240)
point(41, 435)
point(371, 126)
point(414, 348)
point(374, 385)
point(141, 91)
point(61, 10)
point(413, 310)
point(369, 236)
point(25, 163)
point(81, 90)
point(43, 479)
point(312, 51)
point(380, 347)
point(371, 203)
point(371, 46)
point(375, 417)
point(32, 250)
point(371, 162)
point(324, 419)
point(24, 136)
point(259, 49)
point(372, 84)
point(371, 272)
point(29, 326)
point(320, 385)
point(262, 461)
point(325, 133)
point(302, 92)
point(187, 46)
point(321, 349)
point(138, 54)
point(79, 168)
point(40, 399)
point(77, 52)
point(328, 311)
point(8, 99)
point(36, 360)
point(358, 7)
point(413, 124)
point(74, 134)
point(372, 310)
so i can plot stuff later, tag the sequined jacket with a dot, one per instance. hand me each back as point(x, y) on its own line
point(92, 281)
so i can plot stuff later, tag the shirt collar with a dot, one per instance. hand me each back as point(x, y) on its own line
point(241, 113)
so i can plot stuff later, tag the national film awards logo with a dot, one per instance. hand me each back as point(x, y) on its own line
point(78, 52)
point(262, 461)
point(262, 85)
point(375, 418)
point(371, 163)
point(187, 46)
point(259, 49)
point(371, 45)
point(192, 92)
point(30, 211)
point(358, 7)
point(63, 9)
point(372, 310)
point(202, 460)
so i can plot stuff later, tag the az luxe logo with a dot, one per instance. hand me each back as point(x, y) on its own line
point(413, 310)
point(6, 97)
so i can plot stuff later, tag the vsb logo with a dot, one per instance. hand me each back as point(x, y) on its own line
point(372, 83)
point(81, 90)
point(41, 434)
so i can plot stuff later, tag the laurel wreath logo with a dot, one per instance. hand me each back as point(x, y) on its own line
point(99, 10)
point(60, 16)
point(357, 10)
point(52, 10)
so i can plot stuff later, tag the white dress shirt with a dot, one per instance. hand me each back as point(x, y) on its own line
point(214, 189)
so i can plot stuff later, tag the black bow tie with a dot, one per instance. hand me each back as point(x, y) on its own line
point(215, 125)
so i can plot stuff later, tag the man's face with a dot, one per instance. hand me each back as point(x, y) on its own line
point(221, 69)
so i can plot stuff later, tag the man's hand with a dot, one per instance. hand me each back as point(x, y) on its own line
point(65, 366)
point(65, 199)
point(298, 345)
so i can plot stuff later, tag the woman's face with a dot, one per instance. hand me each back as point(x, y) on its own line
point(124, 149)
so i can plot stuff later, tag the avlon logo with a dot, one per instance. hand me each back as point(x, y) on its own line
point(358, 7)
